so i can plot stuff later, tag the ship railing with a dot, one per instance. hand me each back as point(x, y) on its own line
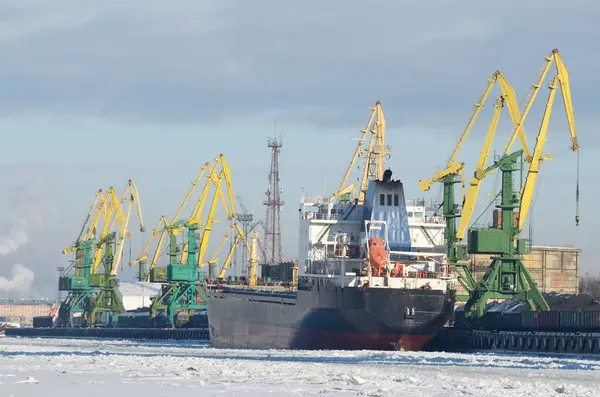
point(323, 216)
point(422, 274)
point(433, 219)
point(314, 200)
point(352, 240)
point(429, 205)
point(425, 221)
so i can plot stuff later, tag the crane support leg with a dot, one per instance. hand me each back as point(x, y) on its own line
point(80, 293)
point(179, 297)
point(455, 253)
point(108, 301)
point(506, 278)
point(109, 298)
point(76, 302)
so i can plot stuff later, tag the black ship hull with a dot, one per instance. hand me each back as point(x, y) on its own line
point(328, 318)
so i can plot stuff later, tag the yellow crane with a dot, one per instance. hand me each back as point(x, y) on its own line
point(507, 277)
point(560, 79)
point(508, 99)
point(215, 178)
point(184, 286)
point(114, 215)
point(228, 202)
point(374, 162)
point(108, 299)
point(75, 279)
point(449, 175)
point(161, 232)
point(90, 231)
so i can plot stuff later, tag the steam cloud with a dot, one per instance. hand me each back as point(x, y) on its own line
point(28, 215)
point(16, 238)
point(20, 282)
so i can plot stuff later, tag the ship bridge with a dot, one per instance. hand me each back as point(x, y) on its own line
point(385, 202)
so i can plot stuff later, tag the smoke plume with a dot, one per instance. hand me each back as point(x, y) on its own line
point(27, 215)
point(16, 238)
point(20, 282)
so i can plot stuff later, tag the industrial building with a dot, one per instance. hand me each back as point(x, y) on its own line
point(23, 311)
point(554, 269)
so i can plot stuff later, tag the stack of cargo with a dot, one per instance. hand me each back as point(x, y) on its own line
point(568, 313)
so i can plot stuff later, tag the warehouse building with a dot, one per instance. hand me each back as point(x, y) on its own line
point(554, 269)
point(137, 294)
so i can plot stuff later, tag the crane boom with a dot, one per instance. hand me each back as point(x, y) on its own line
point(562, 79)
point(508, 97)
point(167, 229)
point(374, 163)
point(123, 220)
point(86, 234)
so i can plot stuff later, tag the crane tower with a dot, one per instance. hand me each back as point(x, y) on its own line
point(274, 203)
point(245, 218)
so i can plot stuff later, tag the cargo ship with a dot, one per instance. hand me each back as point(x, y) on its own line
point(360, 282)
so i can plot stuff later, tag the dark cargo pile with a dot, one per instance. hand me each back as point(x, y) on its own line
point(568, 313)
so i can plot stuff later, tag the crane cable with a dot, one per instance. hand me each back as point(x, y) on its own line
point(577, 194)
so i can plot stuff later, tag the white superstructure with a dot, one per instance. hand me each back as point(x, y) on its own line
point(425, 225)
point(333, 244)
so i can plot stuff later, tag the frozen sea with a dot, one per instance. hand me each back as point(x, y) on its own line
point(101, 368)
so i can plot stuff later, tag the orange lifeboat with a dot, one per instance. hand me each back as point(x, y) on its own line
point(377, 254)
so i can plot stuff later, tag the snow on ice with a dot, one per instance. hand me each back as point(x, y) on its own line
point(55, 367)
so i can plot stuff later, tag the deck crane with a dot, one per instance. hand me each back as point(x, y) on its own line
point(374, 162)
point(507, 277)
point(451, 175)
point(75, 277)
point(111, 246)
point(183, 288)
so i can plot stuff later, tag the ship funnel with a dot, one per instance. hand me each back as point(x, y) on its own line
point(387, 175)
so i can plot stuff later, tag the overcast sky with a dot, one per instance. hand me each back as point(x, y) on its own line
point(95, 93)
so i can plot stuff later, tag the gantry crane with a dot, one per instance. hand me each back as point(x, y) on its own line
point(451, 175)
point(183, 288)
point(75, 277)
point(507, 277)
point(110, 249)
point(374, 162)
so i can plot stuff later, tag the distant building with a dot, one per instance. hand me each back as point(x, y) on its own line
point(23, 311)
point(554, 269)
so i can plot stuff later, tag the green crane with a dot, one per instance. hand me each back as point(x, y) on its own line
point(75, 280)
point(506, 277)
point(183, 282)
point(183, 288)
point(110, 250)
point(109, 299)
